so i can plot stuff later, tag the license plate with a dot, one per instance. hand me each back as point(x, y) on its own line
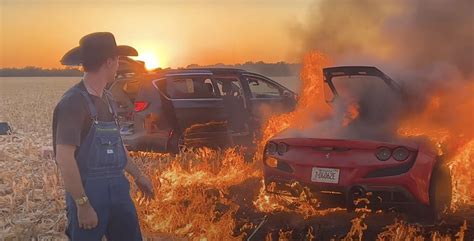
point(325, 175)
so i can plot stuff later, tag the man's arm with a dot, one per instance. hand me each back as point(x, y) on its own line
point(131, 168)
point(69, 170)
point(86, 214)
point(141, 180)
point(70, 115)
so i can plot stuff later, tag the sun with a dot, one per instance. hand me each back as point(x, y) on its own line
point(151, 60)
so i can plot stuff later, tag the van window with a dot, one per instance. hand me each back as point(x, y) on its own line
point(229, 86)
point(190, 88)
point(262, 89)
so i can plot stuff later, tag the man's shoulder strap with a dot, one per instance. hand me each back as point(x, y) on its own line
point(90, 103)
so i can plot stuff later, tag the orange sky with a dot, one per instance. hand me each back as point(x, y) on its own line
point(177, 33)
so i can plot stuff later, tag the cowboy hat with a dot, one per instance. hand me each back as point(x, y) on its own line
point(95, 46)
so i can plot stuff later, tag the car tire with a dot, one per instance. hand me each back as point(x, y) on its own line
point(176, 143)
point(352, 195)
point(440, 191)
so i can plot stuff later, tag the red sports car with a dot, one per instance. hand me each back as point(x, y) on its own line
point(360, 161)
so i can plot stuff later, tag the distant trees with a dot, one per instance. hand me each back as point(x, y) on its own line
point(31, 71)
point(269, 69)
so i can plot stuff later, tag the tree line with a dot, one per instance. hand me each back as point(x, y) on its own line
point(32, 71)
point(269, 69)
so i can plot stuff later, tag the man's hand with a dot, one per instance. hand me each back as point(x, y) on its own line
point(144, 184)
point(87, 216)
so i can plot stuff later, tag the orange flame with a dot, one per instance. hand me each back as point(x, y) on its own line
point(311, 103)
point(446, 121)
point(194, 186)
point(351, 114)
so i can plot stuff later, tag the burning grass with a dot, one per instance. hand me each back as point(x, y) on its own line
point(194, 199)
point(217, 195)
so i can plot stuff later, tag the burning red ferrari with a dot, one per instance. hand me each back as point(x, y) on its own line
point(362, 161)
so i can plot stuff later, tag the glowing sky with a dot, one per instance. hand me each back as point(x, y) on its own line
point(171, 33)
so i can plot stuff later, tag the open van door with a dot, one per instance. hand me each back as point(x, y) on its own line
point(198, 109)
point(267, 98)
point(235, 104)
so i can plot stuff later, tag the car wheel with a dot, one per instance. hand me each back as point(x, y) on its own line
point(355, 198)
point(177, 144)
point(440, 192)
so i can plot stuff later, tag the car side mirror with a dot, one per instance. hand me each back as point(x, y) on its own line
point(293, 98)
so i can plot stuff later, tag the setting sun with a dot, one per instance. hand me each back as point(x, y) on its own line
point(151, 60)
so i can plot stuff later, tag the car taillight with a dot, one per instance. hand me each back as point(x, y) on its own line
point(282, 148)
point(383, 153)
point(400, 154)
point(271, 147)
point(271, 162)
point(140, 106)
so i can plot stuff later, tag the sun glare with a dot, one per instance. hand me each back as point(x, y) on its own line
point(151, 60)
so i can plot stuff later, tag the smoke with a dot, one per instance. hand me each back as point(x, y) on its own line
point(408, 38)
point(426, 46)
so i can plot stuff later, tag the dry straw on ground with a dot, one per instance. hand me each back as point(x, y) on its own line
point(32, 196)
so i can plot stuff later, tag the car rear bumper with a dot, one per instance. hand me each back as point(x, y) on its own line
point(385, 194)
point(410, 185)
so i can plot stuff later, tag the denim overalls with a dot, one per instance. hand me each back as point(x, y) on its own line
point(101, 160)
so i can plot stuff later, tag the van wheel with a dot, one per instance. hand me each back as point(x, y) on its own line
point(440, 191)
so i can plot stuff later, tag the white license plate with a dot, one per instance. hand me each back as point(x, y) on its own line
point(326, 175)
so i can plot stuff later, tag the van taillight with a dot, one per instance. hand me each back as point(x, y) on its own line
point(140, 105)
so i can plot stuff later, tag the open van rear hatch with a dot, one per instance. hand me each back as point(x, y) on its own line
point(130, 66)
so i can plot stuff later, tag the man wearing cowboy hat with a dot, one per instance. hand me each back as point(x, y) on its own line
point(89, 150)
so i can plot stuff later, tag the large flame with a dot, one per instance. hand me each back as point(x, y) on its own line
point(311, 104)
point(446, 122)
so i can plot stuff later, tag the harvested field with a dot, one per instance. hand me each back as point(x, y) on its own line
point(31, 202)
point(205, 195)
